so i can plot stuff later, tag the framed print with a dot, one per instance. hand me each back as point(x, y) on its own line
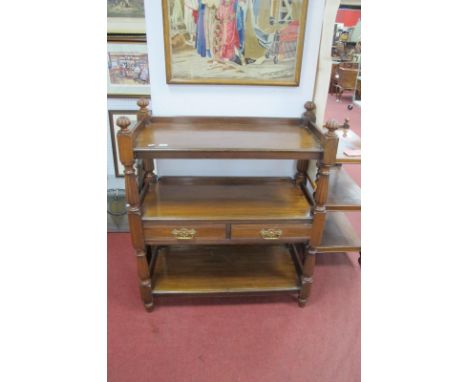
point(236, 42)
point(114, 129)
point(126, 38)
point(127, 69)
point(125, 16)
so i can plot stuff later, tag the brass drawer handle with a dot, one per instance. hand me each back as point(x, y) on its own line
point(271, 233)
point(184, 233)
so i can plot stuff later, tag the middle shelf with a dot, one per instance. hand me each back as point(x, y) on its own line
point(225, 199)
point(202, 210)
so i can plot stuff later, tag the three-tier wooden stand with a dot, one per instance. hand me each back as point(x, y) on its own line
point(233, 235)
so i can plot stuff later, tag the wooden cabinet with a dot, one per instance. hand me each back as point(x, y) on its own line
point(225, 235)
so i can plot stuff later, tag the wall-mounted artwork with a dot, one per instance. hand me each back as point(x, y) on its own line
point(238, 42)
point(125, 16)
point(127, 69)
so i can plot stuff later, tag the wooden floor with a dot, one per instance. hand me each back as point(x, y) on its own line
point(221, 269)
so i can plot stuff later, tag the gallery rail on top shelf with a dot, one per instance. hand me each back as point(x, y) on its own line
point(224, 235)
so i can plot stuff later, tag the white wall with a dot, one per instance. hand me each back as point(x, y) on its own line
point(223, 100)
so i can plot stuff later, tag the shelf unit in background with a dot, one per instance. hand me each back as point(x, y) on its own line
point(233, 235)
point(344, 196)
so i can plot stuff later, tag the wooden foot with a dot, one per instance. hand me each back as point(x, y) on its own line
point(149, 306)
point(302, 302)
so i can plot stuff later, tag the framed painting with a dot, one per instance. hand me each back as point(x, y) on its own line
point(126, 38)
point(114, 129)
point(127, 69)
point(125, 16)
point(236, 42)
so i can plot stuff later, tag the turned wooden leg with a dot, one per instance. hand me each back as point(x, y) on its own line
point(300, 177)
point(307, 277)
point(145, 281)
point(148, 168)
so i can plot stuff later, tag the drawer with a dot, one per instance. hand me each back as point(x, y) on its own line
point(184, 233)
point(271, 231)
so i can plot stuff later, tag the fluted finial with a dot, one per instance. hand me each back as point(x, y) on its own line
point(309, 114)
point(143, 113)
point(123, 122)
point(143, 103)
point(332, 125)
point(309, 106)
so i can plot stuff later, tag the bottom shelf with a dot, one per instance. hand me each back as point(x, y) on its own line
point(224, 269)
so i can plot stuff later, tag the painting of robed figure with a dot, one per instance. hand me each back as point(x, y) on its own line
point(239, 42)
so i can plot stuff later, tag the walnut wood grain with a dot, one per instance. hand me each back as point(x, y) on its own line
point(225, 199)
point(330, 144)
point(339, 235)
point(125, 140)
point(287, 232)
point(226, 137)
point(343, 193)
point(167, 233)
point(224, 269)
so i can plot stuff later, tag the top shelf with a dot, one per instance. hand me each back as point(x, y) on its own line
point(226, 137)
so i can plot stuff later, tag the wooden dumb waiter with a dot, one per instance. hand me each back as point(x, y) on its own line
point(235, 235)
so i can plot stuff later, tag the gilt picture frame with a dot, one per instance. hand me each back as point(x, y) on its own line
point(234, 42)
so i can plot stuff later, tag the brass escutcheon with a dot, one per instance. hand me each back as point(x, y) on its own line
point(184, 233)
point(271, 233)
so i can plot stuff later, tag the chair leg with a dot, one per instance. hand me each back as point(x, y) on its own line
point(337, 91)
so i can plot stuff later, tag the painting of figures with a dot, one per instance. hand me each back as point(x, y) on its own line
point(125, 16)
point(249, 42)
point(125, 8)
point(127, 68)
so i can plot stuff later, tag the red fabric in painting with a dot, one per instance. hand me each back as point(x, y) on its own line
point(289, 34)
point(230, 35)
point(349, 17)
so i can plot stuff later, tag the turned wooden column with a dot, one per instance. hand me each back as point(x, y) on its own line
point(148, 164)
point(125, 140)
point(308, 117)
point(300, 178)
point(330, 146)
